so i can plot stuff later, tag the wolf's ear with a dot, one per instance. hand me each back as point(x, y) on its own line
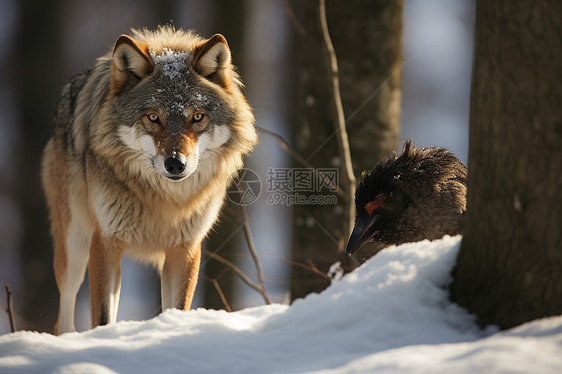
point(212, 60)
point(131, 63)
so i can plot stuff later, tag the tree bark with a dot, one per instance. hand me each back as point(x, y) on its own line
point(367, 40)
point(367, 36)
point(39, 26)
point(508, 269)
point(230, 21)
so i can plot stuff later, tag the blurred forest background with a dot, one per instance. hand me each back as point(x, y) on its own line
point(44, 43)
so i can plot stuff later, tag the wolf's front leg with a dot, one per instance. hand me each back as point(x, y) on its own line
point(71, 259)
point(105, 278)
point(179, 276)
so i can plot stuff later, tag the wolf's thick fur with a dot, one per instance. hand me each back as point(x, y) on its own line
point(144, 144)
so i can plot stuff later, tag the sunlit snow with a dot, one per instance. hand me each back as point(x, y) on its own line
point(391, 315)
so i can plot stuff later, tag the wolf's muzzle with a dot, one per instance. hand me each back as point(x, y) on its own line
point(175, 165)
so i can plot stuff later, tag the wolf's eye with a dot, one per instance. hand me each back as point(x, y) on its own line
point(153, 117)
point(197, 117)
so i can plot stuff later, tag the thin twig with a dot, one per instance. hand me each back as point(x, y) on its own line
point(286, 147)
point(297, 156)
point(350, 117)
point(10, 308)
point(294, 20)
point(234, 268)
point(252, 249)
point(219, 290)
point(343, 142)
point(314, 268)
point(310, 267)
point(221, 295)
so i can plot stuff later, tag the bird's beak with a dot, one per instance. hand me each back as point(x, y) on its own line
point(359, 235)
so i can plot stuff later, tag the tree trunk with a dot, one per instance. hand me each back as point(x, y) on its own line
point(39, 26)
point(367, 41)
point(367, 36)
point(508, 268)
point(231, 17)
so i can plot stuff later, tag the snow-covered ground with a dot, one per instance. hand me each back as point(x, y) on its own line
point(391, 315)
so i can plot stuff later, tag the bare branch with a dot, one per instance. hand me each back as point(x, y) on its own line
point(286, 147)
point(343, 142)
point(297, 156)
point(234, 268)
point(310, 267)
point(252, 249)
point(219, 291)
point(10, 308)
point(299, 28)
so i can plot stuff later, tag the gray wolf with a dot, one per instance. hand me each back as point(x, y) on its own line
point(144, 145)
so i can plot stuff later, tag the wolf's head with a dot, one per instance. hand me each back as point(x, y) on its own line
point(175, 101)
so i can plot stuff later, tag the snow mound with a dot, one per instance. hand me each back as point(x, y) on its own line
point(391, 315)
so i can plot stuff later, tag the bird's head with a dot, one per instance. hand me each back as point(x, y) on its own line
point(418, 195)
point(379, 202)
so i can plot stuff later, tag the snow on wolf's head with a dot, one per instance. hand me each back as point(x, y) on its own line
point(175, 101)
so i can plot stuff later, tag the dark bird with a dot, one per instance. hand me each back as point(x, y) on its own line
point(419, 195)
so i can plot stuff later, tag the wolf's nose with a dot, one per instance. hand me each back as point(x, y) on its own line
point(175, 165)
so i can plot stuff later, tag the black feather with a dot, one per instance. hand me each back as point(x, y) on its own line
point(424, 197)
